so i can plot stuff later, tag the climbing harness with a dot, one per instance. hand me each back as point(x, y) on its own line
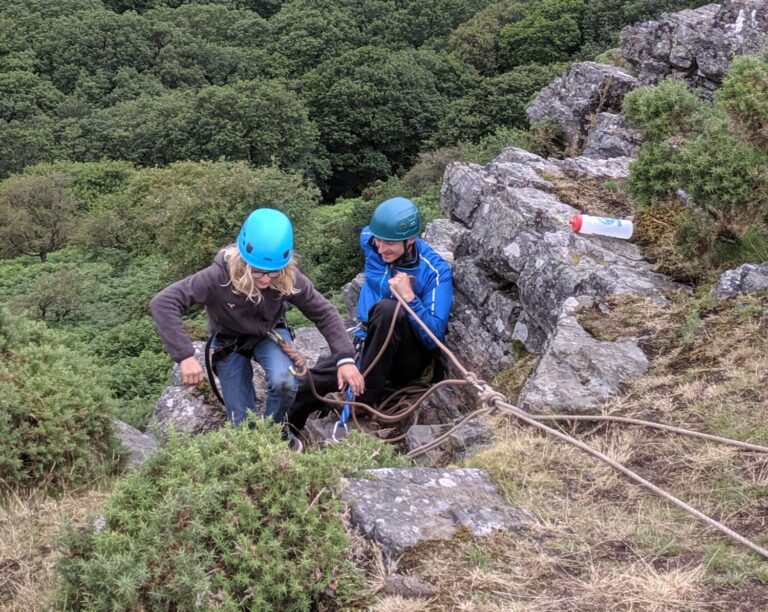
point(241, 344)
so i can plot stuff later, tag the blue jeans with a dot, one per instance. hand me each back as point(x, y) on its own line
point(236, 377)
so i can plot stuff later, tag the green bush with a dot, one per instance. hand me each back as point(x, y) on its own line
point(712, 152)
point(229, 520)
point(332, 256)
point(55, 417)
point(664, 111)
point(187, 211)
point(744, 95)
point(137, 382)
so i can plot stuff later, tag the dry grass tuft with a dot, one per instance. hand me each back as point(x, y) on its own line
point(593, 197)
point(28, 525)
point(602, 543)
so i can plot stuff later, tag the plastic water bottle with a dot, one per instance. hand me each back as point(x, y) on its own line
point(602, 226)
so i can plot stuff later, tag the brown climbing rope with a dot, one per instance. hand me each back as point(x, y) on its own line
point(492, 400)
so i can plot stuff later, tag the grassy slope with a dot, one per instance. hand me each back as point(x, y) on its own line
point(601, 542)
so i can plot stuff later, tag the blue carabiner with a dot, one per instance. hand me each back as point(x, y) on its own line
point(343, 417)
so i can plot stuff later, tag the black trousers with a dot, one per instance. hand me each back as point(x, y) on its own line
point(404, 359)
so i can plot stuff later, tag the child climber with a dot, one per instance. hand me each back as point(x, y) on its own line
point(245, 292)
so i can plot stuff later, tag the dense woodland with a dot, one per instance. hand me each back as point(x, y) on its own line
point(136, 135)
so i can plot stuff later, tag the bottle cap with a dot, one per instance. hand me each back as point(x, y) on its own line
point(576, 222)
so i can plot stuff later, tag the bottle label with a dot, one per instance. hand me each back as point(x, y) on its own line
point(609, 221)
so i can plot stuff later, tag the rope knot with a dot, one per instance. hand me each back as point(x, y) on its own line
point(490, 397)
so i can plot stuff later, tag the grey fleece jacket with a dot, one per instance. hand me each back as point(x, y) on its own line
point(231, 314)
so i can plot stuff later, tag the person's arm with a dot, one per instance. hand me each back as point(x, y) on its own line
point(168, 306)
point(433, 302)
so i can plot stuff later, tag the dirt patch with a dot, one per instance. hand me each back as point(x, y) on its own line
point(751, 597)
point(9, 570)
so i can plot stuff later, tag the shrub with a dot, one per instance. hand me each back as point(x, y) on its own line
point(744, 95)
point(188, 211)
point(55, 418)
point(228, 520)
point(664, 111)
point(333, 256)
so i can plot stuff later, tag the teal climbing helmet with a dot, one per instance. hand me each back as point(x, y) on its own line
point(266, 239)
point(396, 219)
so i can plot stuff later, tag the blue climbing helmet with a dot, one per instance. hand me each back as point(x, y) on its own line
point(266, 239)
point(396, 219)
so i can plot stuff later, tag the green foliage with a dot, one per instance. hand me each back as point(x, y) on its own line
point(88, 182)
point(548, 33)
point(498, 102)
point(93, 44)
point(24, 95)
point(101, 308)
point(744, 96)
point(228, 520)
point(258, 121)
point(374, 109)
point(715, 158)
point(664, 111)
point(333, 256)
point(188, 211)
point(722, 172)
point(421, 22)
point(55, 418)
point(26, 142)
point(56, 296)
point(476, 41)
point(36, 215)
point(308, 32)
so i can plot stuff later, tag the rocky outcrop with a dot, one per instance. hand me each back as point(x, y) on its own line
point(515, 268)
point(582, 166)
point(697, 45)
point(747, 278)
point(402, 508)
point(611, 137)
point(575, 100)
point(578, 371)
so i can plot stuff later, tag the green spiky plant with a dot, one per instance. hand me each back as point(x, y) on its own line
point(229, 520)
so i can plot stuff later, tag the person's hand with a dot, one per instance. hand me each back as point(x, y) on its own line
point(400, 283)
point(191, 372)
point(348, 373)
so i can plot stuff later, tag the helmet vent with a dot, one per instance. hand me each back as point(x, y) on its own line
point(285, 254)
point(249, 247)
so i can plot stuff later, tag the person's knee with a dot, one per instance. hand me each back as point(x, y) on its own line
point(385, 310)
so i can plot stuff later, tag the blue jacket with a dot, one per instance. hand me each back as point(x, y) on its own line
point(432, 282)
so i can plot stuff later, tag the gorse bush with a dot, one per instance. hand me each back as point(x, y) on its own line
point(712, 152)
point(229, 520)
point(333, 256)
point(744, 95)
point(55, 417)
point(662, 112)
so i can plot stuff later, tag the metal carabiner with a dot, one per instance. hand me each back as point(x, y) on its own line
point(336, 428)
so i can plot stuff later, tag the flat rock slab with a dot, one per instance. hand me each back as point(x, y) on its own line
point(402, 508)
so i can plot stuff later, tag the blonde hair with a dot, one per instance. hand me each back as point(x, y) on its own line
point(242, 281)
